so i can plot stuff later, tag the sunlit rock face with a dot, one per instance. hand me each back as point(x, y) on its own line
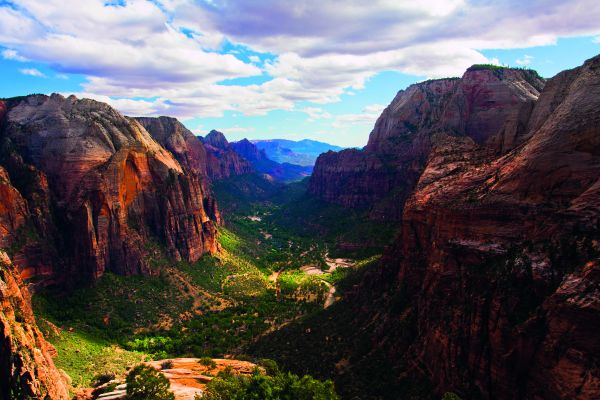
point(188, 150)
point(490, 106)
point(98, 187)
point(26, 367)
point(497, 264)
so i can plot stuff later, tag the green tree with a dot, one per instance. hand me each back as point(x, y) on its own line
point(281, 386)
point(146, 383)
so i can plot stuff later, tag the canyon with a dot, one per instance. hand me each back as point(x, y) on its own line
point(489, 286)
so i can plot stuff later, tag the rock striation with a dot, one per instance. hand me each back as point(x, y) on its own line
point(494, 280)
point(501, 255)
point(189, 152)
point(26, 366)
point(491, 289)
point(489, 105)
point(97, 188)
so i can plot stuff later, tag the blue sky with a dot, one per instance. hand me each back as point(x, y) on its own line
point(277, 69)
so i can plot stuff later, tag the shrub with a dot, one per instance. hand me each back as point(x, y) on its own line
point(208, 362)
point(146, 383)
point(167, 364)
point(270, 366)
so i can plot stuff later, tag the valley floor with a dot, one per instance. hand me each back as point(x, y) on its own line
point(281, 260)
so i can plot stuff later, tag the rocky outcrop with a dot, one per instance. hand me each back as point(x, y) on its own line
point(26, 366)
point(222, 160)
point(499, 256)
point(13, 211)
point(492, 287)
point(188, 150)
point(99, 187)
point(188, 377)
point(489, 105)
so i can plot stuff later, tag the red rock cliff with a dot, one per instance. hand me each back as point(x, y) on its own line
point(26, 367)
point(98, 187)
point(498, 261)
point(491, 106)
point(188, 150)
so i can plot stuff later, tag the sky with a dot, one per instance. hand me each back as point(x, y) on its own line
point(265, 69)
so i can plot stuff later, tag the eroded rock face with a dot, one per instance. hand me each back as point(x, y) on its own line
point(99, 187)
point(490, 106)
point(222, 160)
point(26, 366)
point(498, 261)
point(188, 150)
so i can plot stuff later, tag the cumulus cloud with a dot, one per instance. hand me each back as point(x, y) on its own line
point(166, 56)
point(32, 72)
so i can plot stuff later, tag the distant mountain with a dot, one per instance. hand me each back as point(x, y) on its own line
point(303, 152)
point(222, 160)
point(261, 163)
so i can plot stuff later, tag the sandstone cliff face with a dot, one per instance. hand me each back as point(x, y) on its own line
point(98, 187)
point(491, 106)
point(188, 150)
point(498, 261)
point(26, 366)
point(222, 159)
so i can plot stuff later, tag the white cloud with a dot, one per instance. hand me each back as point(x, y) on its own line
point(168, 52)
point(9, 54)
point(596, 39)
point(524, 61)
point(32, 72)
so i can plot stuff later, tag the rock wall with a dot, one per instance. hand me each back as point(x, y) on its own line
point(490, 106)
point(188, 150)
point(26, 366)
point(98, 188)
point(498, 260)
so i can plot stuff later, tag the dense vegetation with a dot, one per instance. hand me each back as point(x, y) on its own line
point(275, 385)
point(219, 305)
